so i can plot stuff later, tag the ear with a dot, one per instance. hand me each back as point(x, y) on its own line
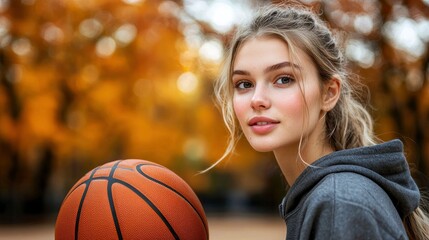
point(331, 93)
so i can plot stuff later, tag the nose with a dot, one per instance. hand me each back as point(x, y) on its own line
point(260, 99)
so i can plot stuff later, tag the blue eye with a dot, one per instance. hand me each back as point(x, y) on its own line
point(243, 85)
point(284, 80)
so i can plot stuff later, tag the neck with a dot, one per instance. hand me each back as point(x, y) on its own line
point(293, 159)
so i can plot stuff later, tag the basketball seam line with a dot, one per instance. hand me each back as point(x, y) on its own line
point(76, 231)
point(111, 203)
point(174, 190)
point(151, 204)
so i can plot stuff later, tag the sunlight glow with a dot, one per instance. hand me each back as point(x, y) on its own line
point(90, 28)
point(403, 34)
point(22, 46)
point(212, 51)
point(169, 8)
point(222, 15)
point(52, 33)
point(360, 52)
point(363, 24)
point(125, 34)
point(105, 47)
point(224, 23)
point(133, 2)
point(192, 35)
point(423, 29)
point(187, 82)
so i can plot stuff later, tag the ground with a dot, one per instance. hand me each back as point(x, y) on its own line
point(220, 227)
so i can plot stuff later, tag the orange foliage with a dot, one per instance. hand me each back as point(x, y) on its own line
point(77, 92)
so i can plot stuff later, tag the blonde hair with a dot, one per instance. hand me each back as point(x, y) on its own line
point(348, 124)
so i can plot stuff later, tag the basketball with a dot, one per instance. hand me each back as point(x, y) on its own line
point(131, 199)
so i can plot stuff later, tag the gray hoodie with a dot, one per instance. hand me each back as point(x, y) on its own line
point(361, 193)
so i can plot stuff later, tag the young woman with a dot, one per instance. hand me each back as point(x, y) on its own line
point(285, 87)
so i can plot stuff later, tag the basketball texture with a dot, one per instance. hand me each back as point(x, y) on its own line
point(131, 199)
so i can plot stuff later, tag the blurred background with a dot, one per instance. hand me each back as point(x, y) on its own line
point(85, 82)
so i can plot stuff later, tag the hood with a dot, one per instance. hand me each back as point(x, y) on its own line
point(384, 164)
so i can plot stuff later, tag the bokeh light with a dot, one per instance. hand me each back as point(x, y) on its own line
point(90, 28)
point(187, 82)
point(358, 51)
point(125, 34)
point(403, 34)
point(105, 47)
point(212, 50)
point(52, 33)
point(22, 46)
point(222, 15)
point(133, 2)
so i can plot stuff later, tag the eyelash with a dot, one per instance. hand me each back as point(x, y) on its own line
point(237, 84)
point(289, 77)
point(241, 82)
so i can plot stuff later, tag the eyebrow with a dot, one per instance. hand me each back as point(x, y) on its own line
point(268, 69)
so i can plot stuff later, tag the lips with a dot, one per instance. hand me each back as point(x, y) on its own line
point(261, 121)
point(262, 125)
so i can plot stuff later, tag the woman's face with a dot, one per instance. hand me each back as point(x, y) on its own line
point(276, 101)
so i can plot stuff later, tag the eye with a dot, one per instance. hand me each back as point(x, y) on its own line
point(284, 80)
point(243, 85)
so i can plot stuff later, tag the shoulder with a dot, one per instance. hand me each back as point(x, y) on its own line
point(353, 201)
point(352, 190)
point(349, 187)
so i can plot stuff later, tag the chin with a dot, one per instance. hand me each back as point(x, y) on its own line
point(262, 148)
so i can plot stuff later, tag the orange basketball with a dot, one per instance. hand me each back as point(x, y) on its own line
point(131, 199)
